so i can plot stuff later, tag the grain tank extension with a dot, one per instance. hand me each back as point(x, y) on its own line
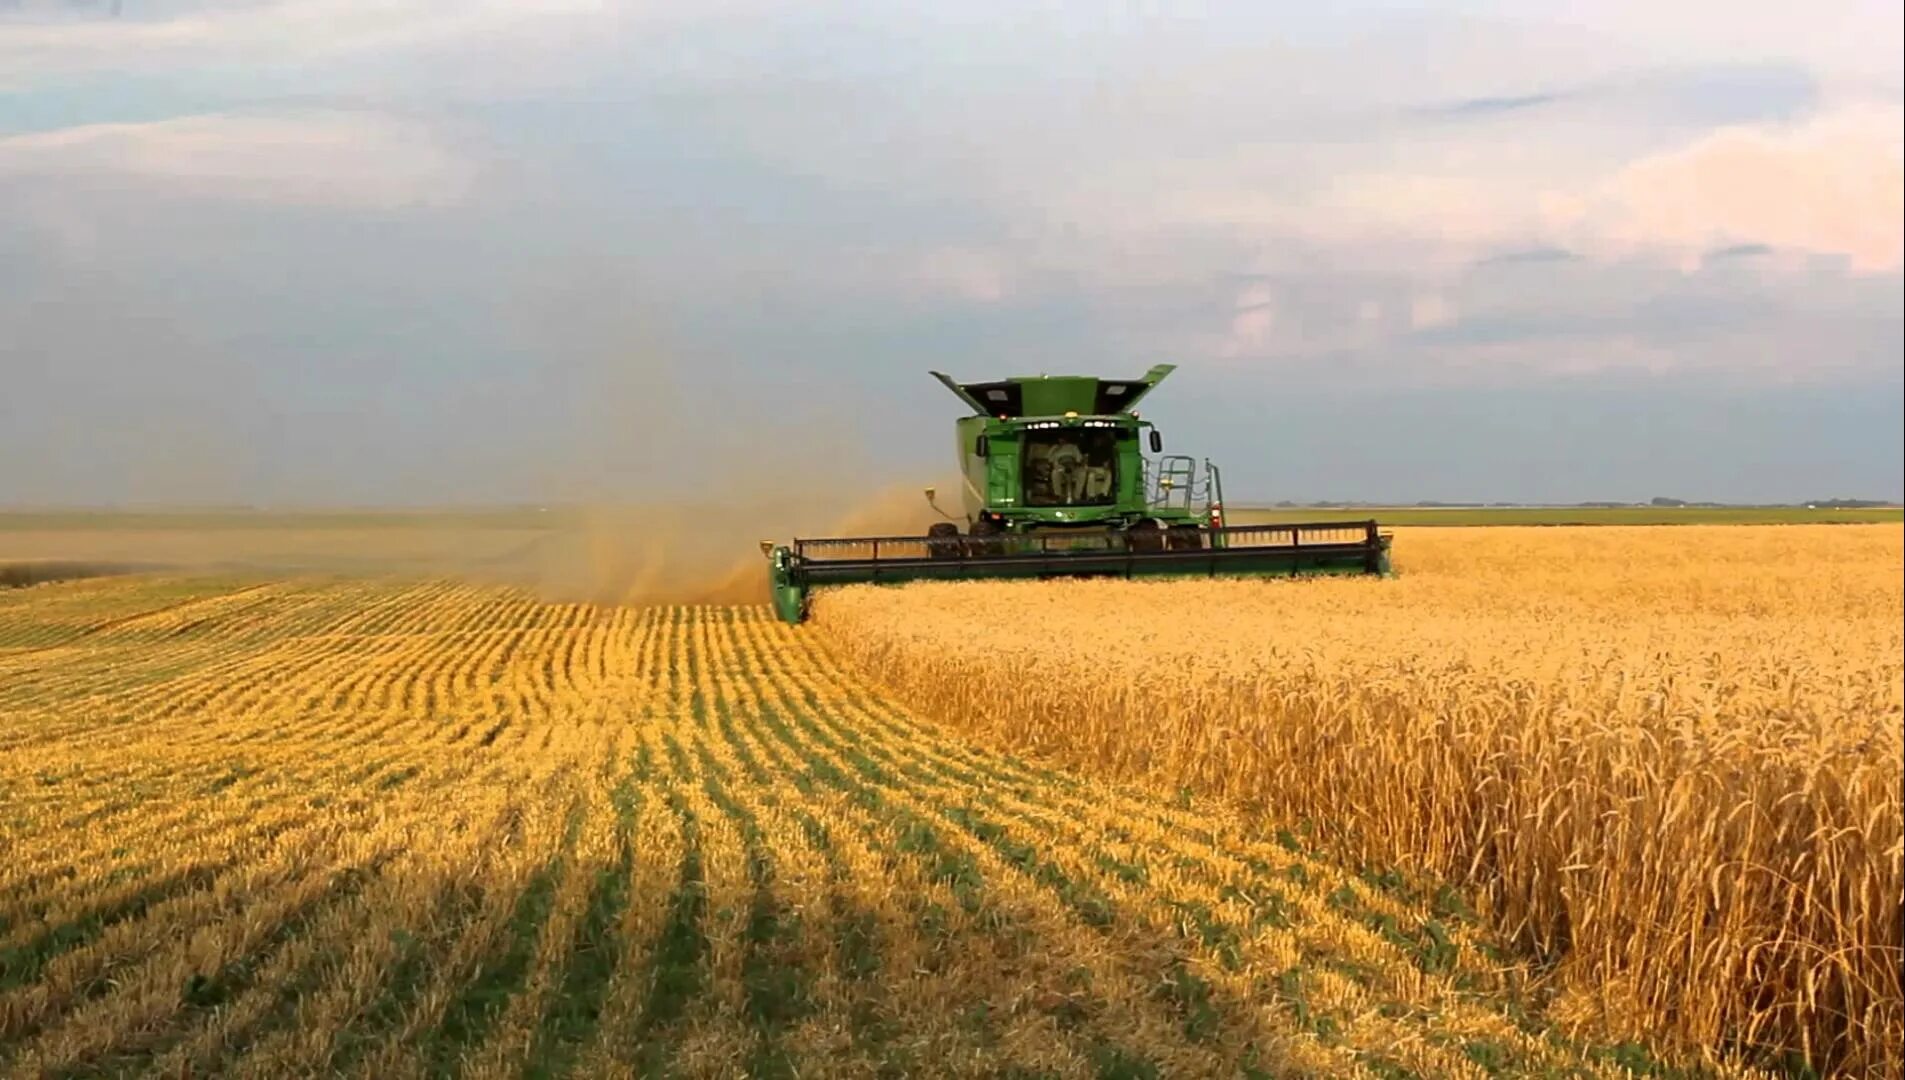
point(1056, 482)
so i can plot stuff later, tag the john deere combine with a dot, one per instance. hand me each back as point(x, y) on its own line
point(1056, 484)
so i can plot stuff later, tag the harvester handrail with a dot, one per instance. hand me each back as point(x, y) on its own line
point(1364, 527)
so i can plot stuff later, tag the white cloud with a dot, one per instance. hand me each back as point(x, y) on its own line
point(1856, 38)
point(321, 158)
point(1830, 184)
point(1430, 311)
point(265, 34)
point(1834, 184)
point(1249, 331)
point(1253, 317)
point(1135, 174)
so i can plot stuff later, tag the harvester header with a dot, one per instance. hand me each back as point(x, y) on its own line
point(1056, 484)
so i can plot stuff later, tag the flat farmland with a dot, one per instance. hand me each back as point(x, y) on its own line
point(343, 542)
point(272, 821)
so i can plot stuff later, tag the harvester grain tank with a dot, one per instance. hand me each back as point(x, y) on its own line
point(1055, 482)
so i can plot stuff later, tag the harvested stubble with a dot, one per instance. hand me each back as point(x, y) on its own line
point(1669, 760)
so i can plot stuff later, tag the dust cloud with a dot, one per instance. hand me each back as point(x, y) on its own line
point(676, 462)
point(616, 465)
point(628, 553)
point(709, 554)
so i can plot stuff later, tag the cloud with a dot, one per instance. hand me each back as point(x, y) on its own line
point(1488, 106)
point(262, 34)
point(803, 196)
point(1253, 316)
point(1738, 251)
point(1430, 311)
point(312, 158)
point(1529, 256)
point(1834, 184)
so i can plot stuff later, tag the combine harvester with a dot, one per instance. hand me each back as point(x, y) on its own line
point(1057, 485)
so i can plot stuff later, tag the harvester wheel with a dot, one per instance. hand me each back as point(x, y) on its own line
point(984, 538)
point(1145, 536)
point(1185, 538)
point(942, 540)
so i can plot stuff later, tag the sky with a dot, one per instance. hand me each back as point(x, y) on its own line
point(403, 252)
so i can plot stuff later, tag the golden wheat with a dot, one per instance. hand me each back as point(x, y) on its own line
point(1669, 759)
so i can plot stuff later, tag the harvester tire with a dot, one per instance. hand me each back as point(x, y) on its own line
point(1185, 538)
point(942, 540)
point(1145, 536)
point(984, 538)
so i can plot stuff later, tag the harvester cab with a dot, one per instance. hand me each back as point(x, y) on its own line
point(1055, 482)
point(1047, 454)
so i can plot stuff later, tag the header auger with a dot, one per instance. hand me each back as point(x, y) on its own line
point(1055, 483)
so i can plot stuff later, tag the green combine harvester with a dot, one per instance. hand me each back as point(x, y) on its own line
point(1056, 484)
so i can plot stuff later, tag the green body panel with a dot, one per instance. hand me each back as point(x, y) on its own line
point(980, 477)
point(1057, 395)
point(788, 594)
point(993, 482)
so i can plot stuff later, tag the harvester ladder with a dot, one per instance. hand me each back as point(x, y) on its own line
point(1174, 482)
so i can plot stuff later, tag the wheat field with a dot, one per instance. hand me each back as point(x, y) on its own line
point(270, 825)
point(304, 827)
point(1667, 762)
